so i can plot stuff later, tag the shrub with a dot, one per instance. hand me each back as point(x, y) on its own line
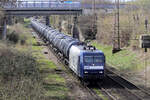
point(14, 37)
point(20, 78)
point(17, 64)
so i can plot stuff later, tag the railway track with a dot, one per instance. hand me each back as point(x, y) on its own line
point(134, 91)
point(93, 93)
point(121, 88)
point(111, 97)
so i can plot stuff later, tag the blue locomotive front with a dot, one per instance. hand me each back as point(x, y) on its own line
point(87, 64)
point(92, 65)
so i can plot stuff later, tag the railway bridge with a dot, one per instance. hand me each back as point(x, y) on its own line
point(40, 8)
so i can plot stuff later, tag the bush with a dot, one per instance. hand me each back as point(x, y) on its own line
point(14, 37)
point(20, 78)
point(17, 64)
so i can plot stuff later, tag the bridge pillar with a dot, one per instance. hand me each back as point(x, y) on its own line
point(10, 20)
point(69, 24)
point(75, 31)
point(1, 31)
point(59, 26)
point(59, 23)
point(4, 29)
point(47, 21)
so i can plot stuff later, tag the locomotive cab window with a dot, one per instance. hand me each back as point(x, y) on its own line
point(93, 59)
point(88, 59)
point(98, 59)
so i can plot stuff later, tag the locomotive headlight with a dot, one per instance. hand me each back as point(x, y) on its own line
point(86, 72)
point(100, 72)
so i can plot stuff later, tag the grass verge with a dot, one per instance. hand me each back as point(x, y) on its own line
point(54, 84)
point(50, 86)
point(123, 60)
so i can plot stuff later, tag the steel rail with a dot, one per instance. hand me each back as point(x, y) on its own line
point(138, 92)
point(107, 93)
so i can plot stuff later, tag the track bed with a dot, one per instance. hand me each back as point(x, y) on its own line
point(114, 86)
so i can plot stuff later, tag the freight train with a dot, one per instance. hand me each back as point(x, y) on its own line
point(86, 62)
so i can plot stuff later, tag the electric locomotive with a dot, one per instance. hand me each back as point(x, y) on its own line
point(86, 62)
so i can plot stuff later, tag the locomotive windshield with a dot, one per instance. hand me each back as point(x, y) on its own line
point(98, 59)
point(88, 59)
point(93, 59)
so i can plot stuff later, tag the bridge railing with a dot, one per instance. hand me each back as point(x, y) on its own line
point(42, 4)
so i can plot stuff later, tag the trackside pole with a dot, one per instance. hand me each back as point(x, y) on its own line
point(146, 28)
point(116, 41)
point(145, 67)
point(145, 43)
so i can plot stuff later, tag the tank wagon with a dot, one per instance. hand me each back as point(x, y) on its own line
point(85, 61)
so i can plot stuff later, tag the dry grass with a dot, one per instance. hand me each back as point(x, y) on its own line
point(131, 27)
point(19, 75)
point(20, 78)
